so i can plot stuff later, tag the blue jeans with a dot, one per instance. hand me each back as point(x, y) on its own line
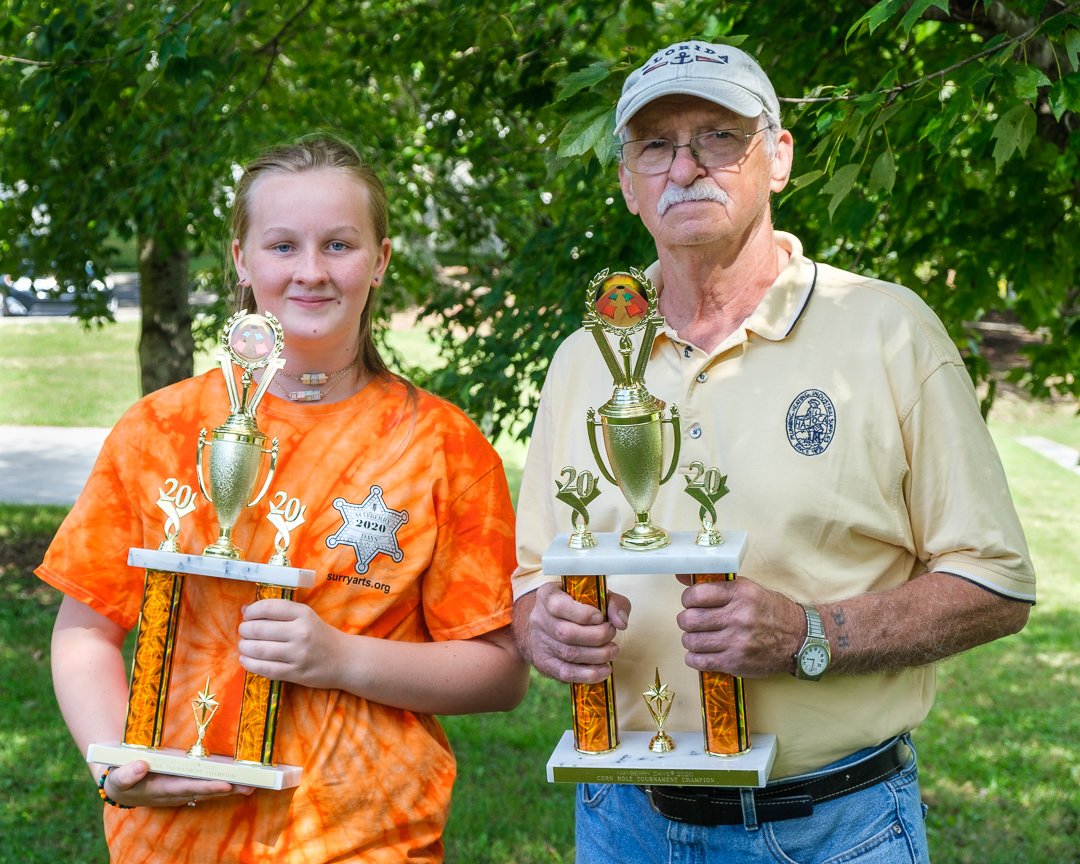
point(883, 824)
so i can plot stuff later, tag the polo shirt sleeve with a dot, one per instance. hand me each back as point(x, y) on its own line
point(536, 522)
point(961, 512)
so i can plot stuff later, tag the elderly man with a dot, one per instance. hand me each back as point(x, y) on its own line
point(880, 522)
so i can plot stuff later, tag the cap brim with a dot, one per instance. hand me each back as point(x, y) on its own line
point(727, 95)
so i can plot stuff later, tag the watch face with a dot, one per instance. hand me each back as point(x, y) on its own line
point(813, 660)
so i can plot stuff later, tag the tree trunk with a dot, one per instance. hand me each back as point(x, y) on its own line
point(166, 346)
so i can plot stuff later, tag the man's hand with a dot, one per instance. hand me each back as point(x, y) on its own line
point(287, 641)
point(568, 640)
point(740, 628)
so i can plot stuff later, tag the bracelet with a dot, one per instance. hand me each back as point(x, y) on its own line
point(104, 796)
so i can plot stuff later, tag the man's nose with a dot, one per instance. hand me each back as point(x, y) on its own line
point(685, 167)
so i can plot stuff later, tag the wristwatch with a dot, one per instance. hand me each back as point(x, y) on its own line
point(812, 659)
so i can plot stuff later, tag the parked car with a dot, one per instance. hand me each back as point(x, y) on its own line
point(41, 295)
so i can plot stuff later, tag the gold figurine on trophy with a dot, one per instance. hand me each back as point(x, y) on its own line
point(706, 487)
point(578, 491)
point(658, 699)
point(204, 706)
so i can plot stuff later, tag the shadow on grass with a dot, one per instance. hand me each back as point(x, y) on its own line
point(1000, 766)
point(43, 781)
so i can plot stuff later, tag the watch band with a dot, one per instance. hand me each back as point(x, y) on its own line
point(814, 628)
point(815, 648)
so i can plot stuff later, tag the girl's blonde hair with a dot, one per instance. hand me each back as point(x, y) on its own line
point(307, 154)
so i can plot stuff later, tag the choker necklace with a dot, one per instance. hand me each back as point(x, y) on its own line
point(317, 378)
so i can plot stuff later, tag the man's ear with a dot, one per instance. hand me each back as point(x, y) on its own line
point(781, 164)
point(626, 181)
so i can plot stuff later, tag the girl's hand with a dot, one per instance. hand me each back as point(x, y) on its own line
point(134, 785)
point(288, 641)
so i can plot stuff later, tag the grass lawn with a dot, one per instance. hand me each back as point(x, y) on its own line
point(1000, 765)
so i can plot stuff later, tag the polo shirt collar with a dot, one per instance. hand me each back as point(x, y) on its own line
point(783, 303)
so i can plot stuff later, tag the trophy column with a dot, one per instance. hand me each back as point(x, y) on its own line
point(256, 731)
point(151, 665)
point(723, 706)
point(596, 725)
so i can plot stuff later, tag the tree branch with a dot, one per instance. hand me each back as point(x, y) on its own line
point(1010, 20)
point(91, 61)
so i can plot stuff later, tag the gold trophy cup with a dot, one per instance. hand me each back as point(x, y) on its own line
point(237, 446)
point(622, 304)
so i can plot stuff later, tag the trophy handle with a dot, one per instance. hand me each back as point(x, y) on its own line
point(269, 474)
point(591, 423)
point(198, 466)
point(676, 431)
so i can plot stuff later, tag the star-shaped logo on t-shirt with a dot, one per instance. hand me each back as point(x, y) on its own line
point(370, 528)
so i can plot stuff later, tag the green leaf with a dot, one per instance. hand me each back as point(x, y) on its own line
point(916, 12)
point(1026, 81)
point(583, 78)
point(806, 179)
point(585, 130)
point(877, 15)
point(840, 184)
point(883, 174)
point(1072, 49)
point(1065, 95)
point(172, 46)
point(1013, 132)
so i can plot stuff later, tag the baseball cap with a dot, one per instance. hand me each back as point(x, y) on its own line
point(719, 73)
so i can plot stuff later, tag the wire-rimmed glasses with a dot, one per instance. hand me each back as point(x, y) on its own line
point(713, 149)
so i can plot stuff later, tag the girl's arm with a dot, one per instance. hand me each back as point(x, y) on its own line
point(91, 688)
point(287, 641)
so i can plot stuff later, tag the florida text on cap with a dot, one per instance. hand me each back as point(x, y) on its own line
point(718, 73)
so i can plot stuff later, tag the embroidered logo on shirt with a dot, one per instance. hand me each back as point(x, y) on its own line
point(811, 422)
point(370, 528)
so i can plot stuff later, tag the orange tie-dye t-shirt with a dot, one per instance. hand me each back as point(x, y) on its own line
point(376, 780)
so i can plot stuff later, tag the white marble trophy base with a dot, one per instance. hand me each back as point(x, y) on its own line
point(221, 568)
point(687, 765)
point(176, 762)
point(632, 761)
point(683, 555)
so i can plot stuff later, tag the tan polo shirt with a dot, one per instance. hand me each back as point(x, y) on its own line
point(857, 459)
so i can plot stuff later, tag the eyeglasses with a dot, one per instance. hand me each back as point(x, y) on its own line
point(713, 149)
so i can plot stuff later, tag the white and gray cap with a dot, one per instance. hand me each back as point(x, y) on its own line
point(718, 73)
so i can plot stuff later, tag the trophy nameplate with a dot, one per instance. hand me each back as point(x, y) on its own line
point(235, 452)
point(620, 305)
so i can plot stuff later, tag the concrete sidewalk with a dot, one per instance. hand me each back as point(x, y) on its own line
point(46, 464)
point(49, 464)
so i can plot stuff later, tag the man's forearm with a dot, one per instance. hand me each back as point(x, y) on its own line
point(523, 607)
point(928, 619)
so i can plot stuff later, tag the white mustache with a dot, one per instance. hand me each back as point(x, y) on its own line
point(699, 190)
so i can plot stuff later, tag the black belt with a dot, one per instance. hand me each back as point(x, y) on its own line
point(785, 799)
